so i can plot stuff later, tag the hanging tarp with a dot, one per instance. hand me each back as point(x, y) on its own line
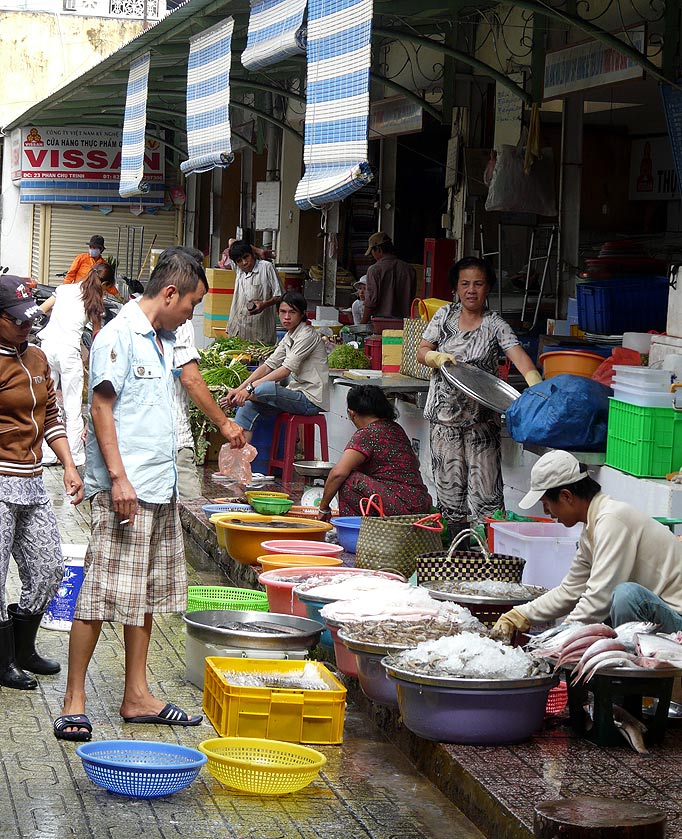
point(208, 99)
point(337, 97)
point(134, 125)
point(275, 32)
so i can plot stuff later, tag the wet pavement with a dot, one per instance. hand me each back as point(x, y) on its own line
point(368, 788)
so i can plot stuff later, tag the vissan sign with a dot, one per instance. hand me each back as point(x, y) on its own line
point(79, 165)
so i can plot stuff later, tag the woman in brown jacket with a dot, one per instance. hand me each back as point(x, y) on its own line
point(28, 527)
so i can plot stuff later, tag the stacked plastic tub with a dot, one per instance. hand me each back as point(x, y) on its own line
point(645, 429)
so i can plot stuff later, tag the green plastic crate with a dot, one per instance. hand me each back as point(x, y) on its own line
point(204, 598)
point(646, 442)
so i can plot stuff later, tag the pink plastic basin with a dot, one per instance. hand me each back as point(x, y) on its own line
point(345, 659)
point(300, 546)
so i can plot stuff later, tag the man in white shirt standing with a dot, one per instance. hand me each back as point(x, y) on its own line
point(628, 567)
point(190, 384)
point(257, 291)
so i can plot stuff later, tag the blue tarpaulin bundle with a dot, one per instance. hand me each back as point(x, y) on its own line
point(564, 412)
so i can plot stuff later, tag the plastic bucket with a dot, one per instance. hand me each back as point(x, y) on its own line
point(59, 613)
point(348, 530)
point(575, 362)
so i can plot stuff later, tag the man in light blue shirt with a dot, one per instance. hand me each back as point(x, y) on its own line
point(135, 564)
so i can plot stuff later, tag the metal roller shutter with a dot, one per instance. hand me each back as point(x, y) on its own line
point(72, 227)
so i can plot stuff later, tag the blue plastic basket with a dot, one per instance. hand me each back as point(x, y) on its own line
point(140, 768)
point(210, 509)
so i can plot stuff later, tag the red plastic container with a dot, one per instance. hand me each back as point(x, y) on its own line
point(379, 324)
point(373, 351)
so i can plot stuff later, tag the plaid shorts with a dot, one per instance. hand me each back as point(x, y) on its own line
point(132, 571)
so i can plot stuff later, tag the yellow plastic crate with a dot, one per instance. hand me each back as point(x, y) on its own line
point(296, 716)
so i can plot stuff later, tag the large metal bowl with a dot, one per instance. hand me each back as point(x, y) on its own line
point(313, 468)
point(291, 633)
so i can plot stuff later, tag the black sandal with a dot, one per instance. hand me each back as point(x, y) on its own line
point(79, 721)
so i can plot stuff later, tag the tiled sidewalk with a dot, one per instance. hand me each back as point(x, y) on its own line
point(368, 788)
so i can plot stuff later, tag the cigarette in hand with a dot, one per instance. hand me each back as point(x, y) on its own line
point(125, 521)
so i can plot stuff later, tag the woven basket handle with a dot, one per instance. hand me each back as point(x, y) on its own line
point(417, 303)
point(433, 517)
point(373, 502)
point(467, 534)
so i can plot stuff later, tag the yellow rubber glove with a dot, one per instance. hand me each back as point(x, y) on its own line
point(433, 358)
point(509, 622)
point(532, 377)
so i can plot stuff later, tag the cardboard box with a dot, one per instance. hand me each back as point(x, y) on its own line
point(391, 350)
point(220, 278)
point(218, 301)
point(215, 326)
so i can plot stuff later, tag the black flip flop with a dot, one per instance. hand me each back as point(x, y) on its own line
point(79, 721)
point(169, 715)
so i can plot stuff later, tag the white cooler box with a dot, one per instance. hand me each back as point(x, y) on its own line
point(548, 548)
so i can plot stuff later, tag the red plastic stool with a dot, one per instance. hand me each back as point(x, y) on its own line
point(291, 423)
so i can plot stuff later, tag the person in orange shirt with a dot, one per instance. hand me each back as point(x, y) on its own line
point(80, 267)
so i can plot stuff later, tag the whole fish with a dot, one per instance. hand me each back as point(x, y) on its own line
point(631, 728)
point(627, 631)
point(617, 660)
point(554, 634)
point(601, 646)
point(601, 660)
point(658, 646)
point(583, 639)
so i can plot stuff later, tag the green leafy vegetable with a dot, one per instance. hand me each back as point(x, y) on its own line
point(345, 357)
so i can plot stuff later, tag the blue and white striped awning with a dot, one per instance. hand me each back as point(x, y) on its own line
point(209, 141)
point(275, 32)
point(134, 125)
point(337, 95)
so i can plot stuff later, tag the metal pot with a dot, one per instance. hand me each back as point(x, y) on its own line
point(289, 632)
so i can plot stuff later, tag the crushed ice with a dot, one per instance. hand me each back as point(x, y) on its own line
point(466, 655)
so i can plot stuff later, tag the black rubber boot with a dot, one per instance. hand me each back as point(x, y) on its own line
point(25, 630)
point(10, 675)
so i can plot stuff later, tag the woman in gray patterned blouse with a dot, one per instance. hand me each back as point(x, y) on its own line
point(465, 435)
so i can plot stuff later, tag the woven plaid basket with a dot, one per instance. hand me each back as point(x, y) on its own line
point(469, 564)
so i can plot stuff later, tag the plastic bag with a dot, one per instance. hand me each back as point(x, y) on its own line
point(511, 190)
point(621, 356)
point(236, 463)
point(564, 412)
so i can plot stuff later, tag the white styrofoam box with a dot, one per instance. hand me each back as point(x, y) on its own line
point(644, 398)
point(196, 652)
point(641, 375)
point(638, 341)
point(646, 386)
point(327, 313)
point(548, 549)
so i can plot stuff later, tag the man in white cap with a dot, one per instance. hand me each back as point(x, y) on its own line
point(627, 567)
